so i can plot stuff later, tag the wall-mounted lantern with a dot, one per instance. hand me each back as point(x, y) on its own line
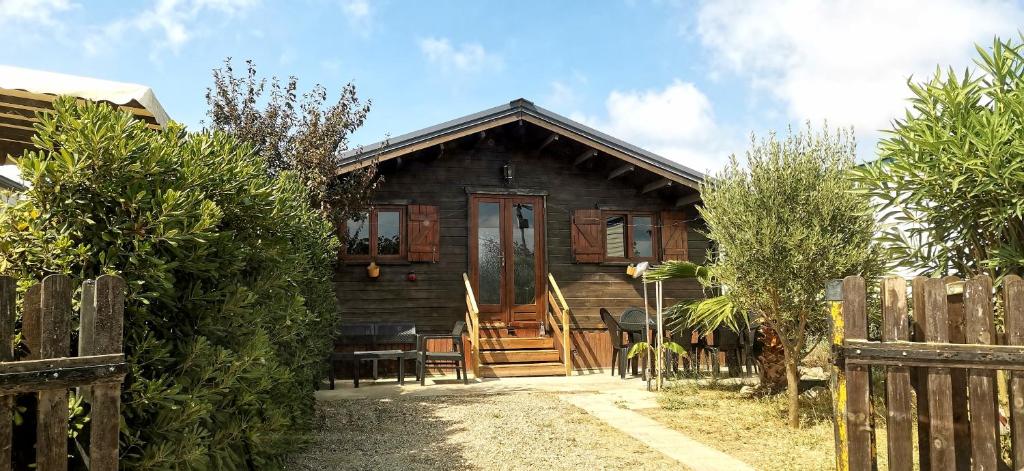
point(508, 171)
point(372, 271)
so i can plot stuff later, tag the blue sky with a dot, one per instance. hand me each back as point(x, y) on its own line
point(688, 79)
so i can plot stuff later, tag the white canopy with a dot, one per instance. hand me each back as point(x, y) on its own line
point(51, 83)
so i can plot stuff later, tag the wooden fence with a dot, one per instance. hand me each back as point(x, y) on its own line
point(49, 370)
point(946, 356)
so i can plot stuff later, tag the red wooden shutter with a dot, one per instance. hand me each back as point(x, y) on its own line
point(423, 232)
point(587, 235)
point(673, 236)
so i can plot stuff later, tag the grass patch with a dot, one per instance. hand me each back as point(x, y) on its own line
point(754, 430)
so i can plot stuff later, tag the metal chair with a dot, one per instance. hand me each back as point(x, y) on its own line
point(619, 349)
point(456, 356)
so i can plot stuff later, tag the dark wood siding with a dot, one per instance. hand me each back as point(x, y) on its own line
point(435, 301)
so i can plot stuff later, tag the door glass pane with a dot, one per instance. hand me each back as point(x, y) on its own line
point(388, 232)
point(615, 237)
point(489, 253)
point(358, 232)
point(524, 250)
point(643, 237)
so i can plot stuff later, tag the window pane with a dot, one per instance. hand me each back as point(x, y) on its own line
point(358, 240)
point(489, 252)
point(389, 240)
point(524, 252)
point(615, 237)
point(643, 237)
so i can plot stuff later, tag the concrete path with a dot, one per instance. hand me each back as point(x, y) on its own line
point(607, 398)
point(688, 452)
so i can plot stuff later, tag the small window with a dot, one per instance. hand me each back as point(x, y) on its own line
point(630, 237)
point(377, 234)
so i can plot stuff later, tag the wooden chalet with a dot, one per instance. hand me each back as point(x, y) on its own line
point(522, 223)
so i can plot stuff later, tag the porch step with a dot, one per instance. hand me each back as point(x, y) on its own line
point(519, 356)
point(522, 369)
point(516, 343)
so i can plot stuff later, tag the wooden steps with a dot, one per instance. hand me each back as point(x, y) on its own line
point(519, 356)
point(513, 343)
point(506, 357)
point(511, 370)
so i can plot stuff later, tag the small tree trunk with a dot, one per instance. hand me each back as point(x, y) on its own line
point(771, 359)
point(793, 388)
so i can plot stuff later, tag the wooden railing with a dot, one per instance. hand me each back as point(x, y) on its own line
point(558, 319)
point(473, 325)
point(47, 371)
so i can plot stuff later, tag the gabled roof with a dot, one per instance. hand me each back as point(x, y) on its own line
point(518, 110)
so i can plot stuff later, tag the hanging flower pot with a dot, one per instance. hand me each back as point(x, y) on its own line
point(372, 270)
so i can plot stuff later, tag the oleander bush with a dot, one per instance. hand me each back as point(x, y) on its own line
point(230, 305)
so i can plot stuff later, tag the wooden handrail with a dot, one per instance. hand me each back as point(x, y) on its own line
point(473, 323)
point(561, 308)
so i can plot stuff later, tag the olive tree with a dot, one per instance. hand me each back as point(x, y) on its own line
point(302, 135)
point(951, 172)
point(785, 223)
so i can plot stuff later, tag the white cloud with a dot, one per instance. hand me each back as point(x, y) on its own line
point(359, 15)
point(676, 122)
point(847, 61)
point(32, 12)
point(466, 58)
point(168, 24)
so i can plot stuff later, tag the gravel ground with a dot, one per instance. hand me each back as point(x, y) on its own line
point(492, 432)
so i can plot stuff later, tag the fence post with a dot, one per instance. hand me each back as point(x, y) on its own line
point(895, 328)
point(958, 376)
point(834, 296)
point(1013, 290)
point(979, 329)
point(7, 303)
point(55, 342)
point(940, 404)
point(108, 326)
point(858, 379)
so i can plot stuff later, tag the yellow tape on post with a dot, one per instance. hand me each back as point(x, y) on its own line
point(834, 295)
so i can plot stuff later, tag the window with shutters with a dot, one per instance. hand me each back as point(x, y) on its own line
point(620, 236)
point(377, 234)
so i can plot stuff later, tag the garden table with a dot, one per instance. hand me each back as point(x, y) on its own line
point(372, 355)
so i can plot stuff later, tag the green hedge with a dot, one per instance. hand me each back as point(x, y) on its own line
point(230, 306)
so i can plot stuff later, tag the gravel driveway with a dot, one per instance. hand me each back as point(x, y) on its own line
point(505, 432)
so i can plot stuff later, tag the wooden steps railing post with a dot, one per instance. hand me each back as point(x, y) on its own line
point(55, 342)
point(566, 337)
point(896, 328)
point(1013, 292)
point(8, 296)
point(473, 315)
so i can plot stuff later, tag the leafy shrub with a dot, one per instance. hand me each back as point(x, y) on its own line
point(230, 305)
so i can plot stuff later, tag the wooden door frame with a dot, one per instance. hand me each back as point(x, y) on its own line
point(507, 308)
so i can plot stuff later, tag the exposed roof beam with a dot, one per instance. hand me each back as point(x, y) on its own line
point(621, 171)
point(657, 185)
point(688, 200)
point(585, 156)
point(552, 138)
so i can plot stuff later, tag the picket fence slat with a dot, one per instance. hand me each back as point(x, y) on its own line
point(958, 376)
point(919, 376)
point(940, 404)
point(8, 296)
point(108, 320)
point(858, 378)
point(979, 328)
point(896, 327)
point(1013, 290)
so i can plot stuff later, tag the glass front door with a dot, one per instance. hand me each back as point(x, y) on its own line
point(506, 246)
